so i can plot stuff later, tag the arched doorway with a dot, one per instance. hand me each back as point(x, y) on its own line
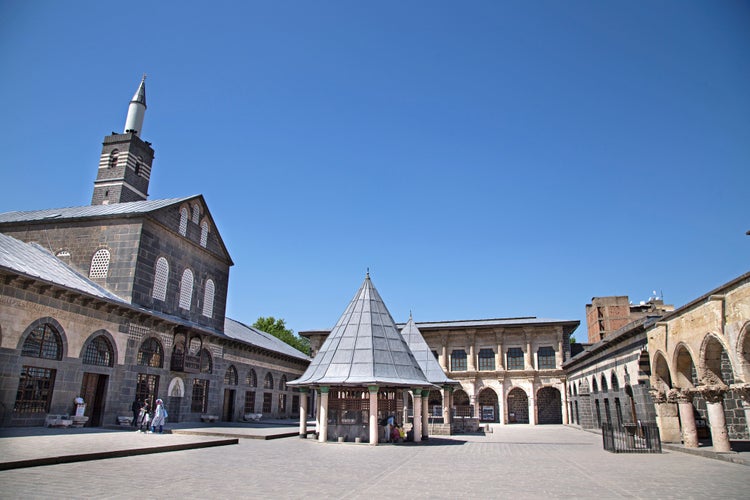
point(549, 406)
point(518, 406)
point(435, 404)
point(461, 404)
point(488, 408)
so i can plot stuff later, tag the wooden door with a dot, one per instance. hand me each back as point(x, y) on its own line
point(93, 392)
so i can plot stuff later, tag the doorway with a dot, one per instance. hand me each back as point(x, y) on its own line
point(93, 392)
point(228, 412)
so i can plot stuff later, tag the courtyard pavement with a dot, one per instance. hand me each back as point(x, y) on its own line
point(517, 461)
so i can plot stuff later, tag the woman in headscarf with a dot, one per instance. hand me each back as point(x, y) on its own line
point(160, 416)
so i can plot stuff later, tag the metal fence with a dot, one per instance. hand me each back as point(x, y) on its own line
point(642, 437)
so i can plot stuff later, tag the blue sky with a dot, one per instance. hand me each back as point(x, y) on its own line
point(482, 159)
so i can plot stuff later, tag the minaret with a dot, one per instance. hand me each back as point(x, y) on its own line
point(125, 162)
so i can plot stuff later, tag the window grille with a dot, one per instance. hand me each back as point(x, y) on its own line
point(268, 382)
point(183, 220)
point(486, 359)
point(252, 378)
point(99, 352)
point(282, 404)
point(206, 362)
point(546, 358)
point(458, 360)
point(196, 213)
point(208, 299)
point(267, 402)
point(249, 401)
point(35, 388)
point(161, 278)
point(204, 233)
point(150, 353)
point(99, 264)
point(515, 358)
point(186, 289)
point(146, 388)
point(199, 402)
point(230, 376)
point(43, 342)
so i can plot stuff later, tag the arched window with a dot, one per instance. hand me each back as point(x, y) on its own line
point(252, 378)
point(150, 353)
point(161, 278)
point(282, 383)
point(594, 386)
point(268, 382)
point(486, 359)
point(44, 341)
point(183, 220)
point(230, 377)
point(99, 264)
point(204, 233)
point(196, 213)
point(99, 352)
point(113, 158)
point(458, 360)
point(615, 382)
point(186, 289)
point(206, 362)
point(208, 299)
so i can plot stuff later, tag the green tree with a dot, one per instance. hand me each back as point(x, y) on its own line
point(277, 328)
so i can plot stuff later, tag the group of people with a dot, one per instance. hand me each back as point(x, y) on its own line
point(394, 433)
point(143, 418)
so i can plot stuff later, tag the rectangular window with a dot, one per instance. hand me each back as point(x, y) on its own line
point(486, 360)
point(295, 403)
point(249, 401)
point(515, 358)
point(146, 388)
point(282, 404)
point(458, 360)
point(267, 401)
point(34, 390)
point(546, 358)
point(199, 403)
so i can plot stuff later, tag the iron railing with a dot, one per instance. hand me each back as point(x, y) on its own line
point(642, 437)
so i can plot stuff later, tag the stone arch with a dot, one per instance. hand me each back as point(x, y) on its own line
point(176, 388)
point(713, 355)
point(151, 353)
point(39, 322)
point(108, 350)
point(662, 377)
point(605, 387)
point(684, 367)
point(549, 405)
point(461, 404)
point(594, 385)
point(230, 376)
point(575, 388)
point(614, 383)
point(743, 352)
point(435, 398)
point(488, 405)
point(518, 406)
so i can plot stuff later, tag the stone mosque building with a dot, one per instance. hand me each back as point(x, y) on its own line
point(125, 299)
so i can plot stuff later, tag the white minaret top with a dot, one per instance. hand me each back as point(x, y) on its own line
point(137, 109)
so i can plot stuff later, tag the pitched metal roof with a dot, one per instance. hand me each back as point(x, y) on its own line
point(423, 354)
point(249, 335)
point(114, 209)
point(568, 325)
point(364, 348)
point(34, 260)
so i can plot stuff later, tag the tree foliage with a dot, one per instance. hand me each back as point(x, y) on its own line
point(277, 328)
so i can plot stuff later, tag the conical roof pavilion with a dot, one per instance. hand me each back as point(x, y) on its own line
point(364, 348)
point(423, 354)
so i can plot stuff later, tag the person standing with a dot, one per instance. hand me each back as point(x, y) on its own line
point(160, 416)
point(144, 417)
point(136, 407)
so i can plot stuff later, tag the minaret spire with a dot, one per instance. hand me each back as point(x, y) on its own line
point(137, 109)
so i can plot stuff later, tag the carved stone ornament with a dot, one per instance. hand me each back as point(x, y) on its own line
point(658, 397)
point(743, 390)
point(713, 393)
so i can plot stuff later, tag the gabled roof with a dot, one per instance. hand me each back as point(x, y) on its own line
point(423, 354)
point(32, 260)
point(249, 335)
point(364, 348)
point(90, 211)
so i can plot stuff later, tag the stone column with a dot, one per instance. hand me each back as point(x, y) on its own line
point(447, 404)
point(444, 356)
point(714, 396)
point(501, 404)
point(532, 406)
point(373, 390)
point(472, 365)
point(500, 356)
point(666, 417)
point(565, 415)
point(303, 412)
point(559, 355)
point(529, 356)
point(425, 413)
point(323, 434)
point(684, 400)
point(417, 427)
point(317, 413)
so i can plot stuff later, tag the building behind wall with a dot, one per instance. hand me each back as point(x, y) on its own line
point(606, 315)
point(126, 298)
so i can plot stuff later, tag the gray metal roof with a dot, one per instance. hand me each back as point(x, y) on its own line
point(249, 335)
point(33, 260)
point(423, 354)
point(114, 209)
point(364, 348)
